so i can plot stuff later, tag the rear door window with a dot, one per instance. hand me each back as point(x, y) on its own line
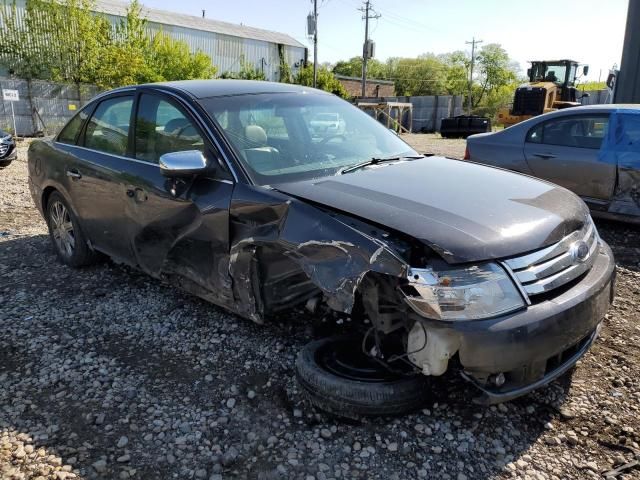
point(108, 128)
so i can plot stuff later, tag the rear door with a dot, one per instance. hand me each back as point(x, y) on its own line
point(565, 150)
point(176, 226)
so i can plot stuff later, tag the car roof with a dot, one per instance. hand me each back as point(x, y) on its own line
point(599, 108)
point(222, 87)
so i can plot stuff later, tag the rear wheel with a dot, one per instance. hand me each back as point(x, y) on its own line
point(338, 377)
point(66, 235)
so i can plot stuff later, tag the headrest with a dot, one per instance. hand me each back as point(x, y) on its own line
point(174, 124)
point(256, 135)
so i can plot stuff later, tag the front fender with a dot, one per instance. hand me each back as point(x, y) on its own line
point(284, 251)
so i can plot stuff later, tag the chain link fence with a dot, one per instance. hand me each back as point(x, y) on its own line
point(44, 107)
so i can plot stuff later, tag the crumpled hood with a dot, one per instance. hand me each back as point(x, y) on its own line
point(464, 211)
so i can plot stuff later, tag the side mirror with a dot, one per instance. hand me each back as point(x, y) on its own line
point(585, 95)
point(529, 72)
point(585, 70)
point(182, 164)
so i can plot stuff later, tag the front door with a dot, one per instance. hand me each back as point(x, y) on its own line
point(565, 150)
point(177, 227)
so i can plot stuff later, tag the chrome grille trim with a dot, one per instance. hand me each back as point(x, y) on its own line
point(4, 147)
point(554, 266)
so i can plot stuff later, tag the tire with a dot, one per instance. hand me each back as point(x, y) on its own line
point(376, 392)
point(65, 233)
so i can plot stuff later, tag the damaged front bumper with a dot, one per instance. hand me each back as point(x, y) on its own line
point(511, 355)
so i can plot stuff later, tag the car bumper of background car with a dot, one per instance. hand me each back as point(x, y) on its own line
point(9, 156)
point(509, 356)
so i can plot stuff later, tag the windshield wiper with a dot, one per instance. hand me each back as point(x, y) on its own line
point(375, 161)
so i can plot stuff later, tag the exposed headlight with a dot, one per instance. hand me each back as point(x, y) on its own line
point(464, 293)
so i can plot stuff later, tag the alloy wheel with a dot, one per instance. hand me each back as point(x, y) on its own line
point(62, 229)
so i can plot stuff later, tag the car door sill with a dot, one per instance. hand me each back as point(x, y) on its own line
point(596, 203)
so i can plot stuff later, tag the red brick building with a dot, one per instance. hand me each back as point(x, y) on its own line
point(375, 87)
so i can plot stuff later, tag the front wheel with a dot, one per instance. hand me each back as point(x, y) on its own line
point(66, 236)
point(338, 377)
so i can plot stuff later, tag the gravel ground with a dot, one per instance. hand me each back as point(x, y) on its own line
point(106, 373)
point(433, 143)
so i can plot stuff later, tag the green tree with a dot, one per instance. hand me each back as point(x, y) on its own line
point(58, 40)
point(425, 75)
point(457, 72)
point(64, 40)
point(172, 60)
point(326, 80)
point(496, 70)
point(17, 54)
point(285, 70)
point(247, 72)
point(588, 86)
point(353, 68)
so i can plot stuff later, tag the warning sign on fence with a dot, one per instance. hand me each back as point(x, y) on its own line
point(10, 95)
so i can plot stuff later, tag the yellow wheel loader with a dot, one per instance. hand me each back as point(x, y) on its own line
point(551, 87)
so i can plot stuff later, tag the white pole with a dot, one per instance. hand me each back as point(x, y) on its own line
point(13, 115)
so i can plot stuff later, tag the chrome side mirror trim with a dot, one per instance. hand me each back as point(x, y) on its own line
point(180, 164)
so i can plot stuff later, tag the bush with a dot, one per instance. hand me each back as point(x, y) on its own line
point(327, 81)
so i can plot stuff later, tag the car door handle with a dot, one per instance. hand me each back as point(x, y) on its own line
point(546, 156)
point(75, 174)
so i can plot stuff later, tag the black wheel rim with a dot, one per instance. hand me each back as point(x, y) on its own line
point(345, 359)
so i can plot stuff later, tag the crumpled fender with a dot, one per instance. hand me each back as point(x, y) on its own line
point(334, 256)
point(621, 147)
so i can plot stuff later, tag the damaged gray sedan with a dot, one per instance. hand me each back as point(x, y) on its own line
point(225, 189)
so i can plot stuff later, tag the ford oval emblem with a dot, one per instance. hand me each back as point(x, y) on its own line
point(579, 251)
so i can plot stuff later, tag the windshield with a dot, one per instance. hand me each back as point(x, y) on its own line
point(552, 72)
point(277, 137)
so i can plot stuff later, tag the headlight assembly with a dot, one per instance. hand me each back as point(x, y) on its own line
point(461, 293)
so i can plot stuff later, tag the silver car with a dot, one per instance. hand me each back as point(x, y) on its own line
point(593, 151)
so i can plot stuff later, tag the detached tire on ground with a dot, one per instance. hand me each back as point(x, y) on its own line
point(339, 378)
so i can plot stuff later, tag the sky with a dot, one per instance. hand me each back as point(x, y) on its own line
point(589, 31)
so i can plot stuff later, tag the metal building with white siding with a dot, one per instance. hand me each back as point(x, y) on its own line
point(226, 43)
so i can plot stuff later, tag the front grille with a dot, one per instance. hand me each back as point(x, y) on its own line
point(4, 148)
point(549, 268)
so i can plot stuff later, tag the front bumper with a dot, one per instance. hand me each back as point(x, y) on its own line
point(10, 155)
point(535, 346)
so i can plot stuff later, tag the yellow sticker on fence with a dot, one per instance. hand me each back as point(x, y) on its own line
point(72, 106)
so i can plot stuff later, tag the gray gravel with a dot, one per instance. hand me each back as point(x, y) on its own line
point(106, 373)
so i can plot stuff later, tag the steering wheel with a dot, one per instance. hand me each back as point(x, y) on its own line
point(332, 136)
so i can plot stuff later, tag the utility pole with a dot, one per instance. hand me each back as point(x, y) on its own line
point(365, 47)
point(315, 43)
point(473, 44)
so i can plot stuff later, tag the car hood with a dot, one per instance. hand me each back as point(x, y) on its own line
point(464, 211)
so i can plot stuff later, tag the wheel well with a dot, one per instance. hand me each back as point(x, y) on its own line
point(45, 197)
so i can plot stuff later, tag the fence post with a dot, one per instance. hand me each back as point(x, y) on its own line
point(34, 123)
